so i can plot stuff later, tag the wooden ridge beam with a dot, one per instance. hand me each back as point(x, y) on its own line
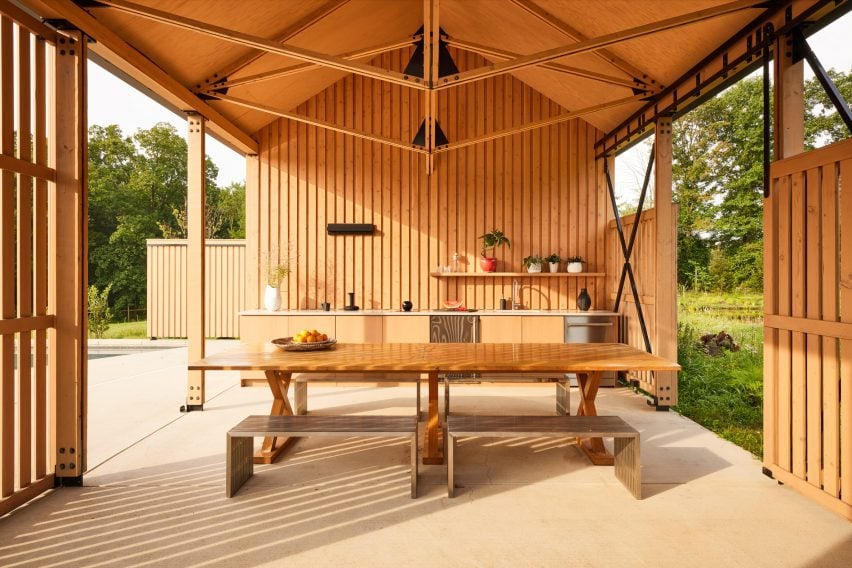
point(302, 67)
point(292, 31)
point(503, 55)
point(318, 123)
point(540, 123)
point(574, 34)
point(27, 168)
point(116, 44)
point(599, 42)
point(263, 44)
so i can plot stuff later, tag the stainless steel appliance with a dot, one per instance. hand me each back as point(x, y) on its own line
point(593, 328)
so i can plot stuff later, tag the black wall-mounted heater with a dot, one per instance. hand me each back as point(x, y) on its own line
point(351, 229)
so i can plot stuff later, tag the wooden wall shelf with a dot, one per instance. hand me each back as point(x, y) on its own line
point(517, 274)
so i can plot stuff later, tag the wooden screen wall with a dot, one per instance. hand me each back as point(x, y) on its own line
point(808, 325)
point(538, 187)
point(167, 287)
point(26, 396)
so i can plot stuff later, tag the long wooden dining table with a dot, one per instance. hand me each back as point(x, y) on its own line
point(587, 360)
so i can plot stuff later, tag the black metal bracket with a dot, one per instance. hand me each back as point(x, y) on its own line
point(768, 473)
point(68, 481)
point(627, 248)
point(802, 49)
point(191, 408)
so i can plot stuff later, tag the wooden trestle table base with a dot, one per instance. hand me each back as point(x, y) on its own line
point(587, 360)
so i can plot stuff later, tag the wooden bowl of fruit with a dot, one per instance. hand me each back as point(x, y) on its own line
point(305, 340)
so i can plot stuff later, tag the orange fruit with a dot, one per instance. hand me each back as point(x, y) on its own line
point(324, 337)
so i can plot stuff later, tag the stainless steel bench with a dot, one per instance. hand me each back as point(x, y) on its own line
point(239, 466)
point(626, 438)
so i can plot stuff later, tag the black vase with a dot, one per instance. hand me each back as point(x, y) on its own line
point(584, 301)
point(407, 305)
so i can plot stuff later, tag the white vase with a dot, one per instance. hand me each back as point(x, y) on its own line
point(272, 298)
point(574, 267)
point(554, 266)
point(534, 268)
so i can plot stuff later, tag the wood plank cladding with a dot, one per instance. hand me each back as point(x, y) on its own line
point(808, 325)
point(539, 187)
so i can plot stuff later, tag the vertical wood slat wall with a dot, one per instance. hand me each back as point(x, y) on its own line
point(539, 187)
point(167, 289)
point(808, 325)
point(26, 441)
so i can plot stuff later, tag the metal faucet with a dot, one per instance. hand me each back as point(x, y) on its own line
point(516, 295)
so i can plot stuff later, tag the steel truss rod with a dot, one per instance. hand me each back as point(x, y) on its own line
point(503, 55)
point(627, 248)
point(267, 45)
point(294, 69)
point(801, 47)
point(318, 123)
point(597, 43)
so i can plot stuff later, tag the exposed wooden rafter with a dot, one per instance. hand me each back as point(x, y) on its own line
point(541, 123)
point(574, 34)
point(310, 20)
point(302, 67)
point(597, 43)
point(318, 123)
point(503, 55)
point(430, 75)
point(24, 19)
point(112, 41)
point(263, 44)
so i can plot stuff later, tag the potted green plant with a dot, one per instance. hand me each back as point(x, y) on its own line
point(275, 274)
point(553, 260)
point(575, 264)
point(491, 240)
point(533, 263)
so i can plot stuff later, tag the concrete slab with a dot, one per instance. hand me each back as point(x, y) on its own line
point(154, 495)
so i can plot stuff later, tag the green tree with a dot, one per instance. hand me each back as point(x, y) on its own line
point(822, 123)
point(99, 312)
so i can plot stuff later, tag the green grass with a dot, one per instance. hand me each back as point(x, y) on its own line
point(725, 393)
point(129, 330)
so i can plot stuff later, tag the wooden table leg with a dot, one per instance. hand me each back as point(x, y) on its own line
point(594, 448)
point(279, 384)
point(432, 454)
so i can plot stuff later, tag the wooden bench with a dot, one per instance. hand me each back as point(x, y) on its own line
point(301, 380)
point(627, 465)
point(239, 466)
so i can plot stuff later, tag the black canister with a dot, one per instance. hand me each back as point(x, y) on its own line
point(584, 301)
point(502, 303)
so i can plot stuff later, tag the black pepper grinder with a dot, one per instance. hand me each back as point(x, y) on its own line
point(351, 307)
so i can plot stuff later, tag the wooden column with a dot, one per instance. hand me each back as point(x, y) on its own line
point(253, 256)
point(789, 109)
point(68, 244)
point(665, 341)
point(196, 289)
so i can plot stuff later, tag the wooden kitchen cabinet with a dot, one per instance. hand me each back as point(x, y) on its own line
point(500, 329)
point(323, 324)
point(359, 329)
point(542, 329)
point(405, 329)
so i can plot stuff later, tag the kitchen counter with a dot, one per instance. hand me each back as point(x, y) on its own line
point(568, 313)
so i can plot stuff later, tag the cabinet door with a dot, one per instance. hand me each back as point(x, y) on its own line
point(359, 329)
point(405, 329)
point(259, 329)
point(323, 324)
point(500, 329)
point(543, 329)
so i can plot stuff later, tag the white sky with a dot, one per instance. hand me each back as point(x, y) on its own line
point(112, 101)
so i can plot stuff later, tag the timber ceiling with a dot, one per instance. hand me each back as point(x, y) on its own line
point(334, 27)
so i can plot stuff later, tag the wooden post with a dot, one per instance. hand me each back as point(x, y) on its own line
point(253, 256)
point(68, 243)
point(666, 262)
point(789, 110)
point(196, 292)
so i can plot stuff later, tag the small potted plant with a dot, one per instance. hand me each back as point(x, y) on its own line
point(533, 263)
point(275, 274)
point(491, 240)
point(553, 260)
point(575, 264)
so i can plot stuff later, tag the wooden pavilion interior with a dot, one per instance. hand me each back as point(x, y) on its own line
point(434, 121)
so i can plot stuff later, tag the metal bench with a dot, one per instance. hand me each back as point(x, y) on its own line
point(239, 466)
point(626, 438)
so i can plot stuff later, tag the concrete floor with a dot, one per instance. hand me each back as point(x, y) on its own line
point(154, 493)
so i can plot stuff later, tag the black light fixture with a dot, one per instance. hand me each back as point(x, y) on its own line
point(446, 66)
point(350, 229)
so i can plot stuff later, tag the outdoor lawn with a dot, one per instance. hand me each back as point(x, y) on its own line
point(725, 392)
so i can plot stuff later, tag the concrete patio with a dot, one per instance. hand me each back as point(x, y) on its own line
point(154, 493)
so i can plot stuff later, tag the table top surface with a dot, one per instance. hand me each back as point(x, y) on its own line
point(442, 357)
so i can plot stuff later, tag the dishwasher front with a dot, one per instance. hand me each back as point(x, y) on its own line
point(593, 328)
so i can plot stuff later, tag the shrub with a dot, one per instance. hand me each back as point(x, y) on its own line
point(99, 312)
